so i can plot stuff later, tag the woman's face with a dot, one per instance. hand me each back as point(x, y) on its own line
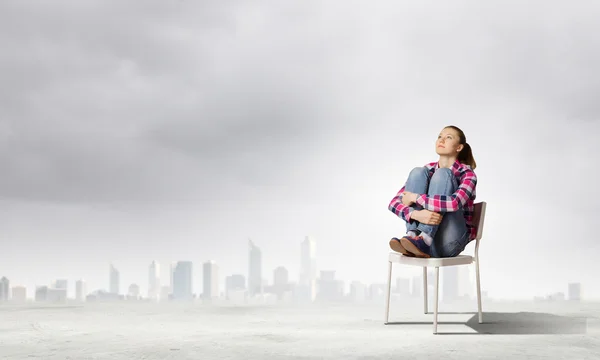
point(448, 142)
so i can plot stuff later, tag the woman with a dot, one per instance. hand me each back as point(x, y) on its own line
point(437, 201)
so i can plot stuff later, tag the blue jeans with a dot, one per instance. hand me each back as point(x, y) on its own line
point(451, 236)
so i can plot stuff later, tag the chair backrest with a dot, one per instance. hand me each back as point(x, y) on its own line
point(479, 217)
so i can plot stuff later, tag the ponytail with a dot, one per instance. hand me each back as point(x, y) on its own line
point(465, 156)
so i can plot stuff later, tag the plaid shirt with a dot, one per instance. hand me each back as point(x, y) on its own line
point(463, 198)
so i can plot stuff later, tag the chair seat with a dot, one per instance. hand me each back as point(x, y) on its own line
point(430, 262)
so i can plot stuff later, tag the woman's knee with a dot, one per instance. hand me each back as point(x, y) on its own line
point(418, 172)
point(442, 174)
point(442, 177)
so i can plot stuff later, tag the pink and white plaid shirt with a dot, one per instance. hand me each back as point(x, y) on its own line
point(463, 198)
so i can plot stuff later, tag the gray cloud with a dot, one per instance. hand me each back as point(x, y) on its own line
point(108, 102)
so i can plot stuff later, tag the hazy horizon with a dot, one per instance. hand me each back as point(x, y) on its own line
point(179, 130)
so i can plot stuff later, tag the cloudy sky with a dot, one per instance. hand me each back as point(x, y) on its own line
point(178, 130)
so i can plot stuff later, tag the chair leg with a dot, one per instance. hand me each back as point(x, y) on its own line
point(387, 293)
point(437, 292)
point(425, 289)
point(478, 291)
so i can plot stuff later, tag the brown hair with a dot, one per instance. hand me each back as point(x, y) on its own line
point(465, 156)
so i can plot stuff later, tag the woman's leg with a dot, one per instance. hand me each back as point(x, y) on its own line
point(418, 183)
point(442, 182)
point(450, 237)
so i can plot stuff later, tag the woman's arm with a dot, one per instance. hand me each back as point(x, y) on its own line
point(450, 203)
point(397, 207)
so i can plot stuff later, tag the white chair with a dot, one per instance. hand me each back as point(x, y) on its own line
point(394, 257)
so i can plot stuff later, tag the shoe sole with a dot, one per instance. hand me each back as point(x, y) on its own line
point(413, 249)
point(397, 247)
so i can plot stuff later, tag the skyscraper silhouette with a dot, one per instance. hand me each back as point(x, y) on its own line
point(114, 280)
point(280, 281)
point(154, 281)
point(183, 280)
point(308, 269)
point(4, 287)
point(210, 283)
point(80, 290)
point(254, 269)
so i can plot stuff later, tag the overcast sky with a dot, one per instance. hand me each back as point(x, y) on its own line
point(178, 130)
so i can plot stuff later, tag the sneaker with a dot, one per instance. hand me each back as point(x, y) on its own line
point(416, 245)
point(397, 247)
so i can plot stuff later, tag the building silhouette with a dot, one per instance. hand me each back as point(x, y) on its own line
point(154, 281)
point(19, 294)
point(234, 284)
point(171, 273)
point(280, 281)
point(377, 292)
point(61, 284)
point(58, 295)
point(255, 283)
point(307, 284)
point(113, 280)
point(403, 286)
point(450, 284)
point(466, 286)
point(4, 289)
point(80, 290)
point(183, 280)
point(329, 288)
point(165, 292)
point(358, 292)
point(417, 286)
point(133, 292)
point(210, 283)
point(41, 293)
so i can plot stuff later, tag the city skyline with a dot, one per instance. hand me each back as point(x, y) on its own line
point(186, 288)
point(452, 289)
point(307, 258)
point(455, 282)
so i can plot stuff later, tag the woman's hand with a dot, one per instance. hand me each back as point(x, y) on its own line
point(426, 217)
point(408, 198)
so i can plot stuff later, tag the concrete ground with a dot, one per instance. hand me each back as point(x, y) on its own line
point(179, 331)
